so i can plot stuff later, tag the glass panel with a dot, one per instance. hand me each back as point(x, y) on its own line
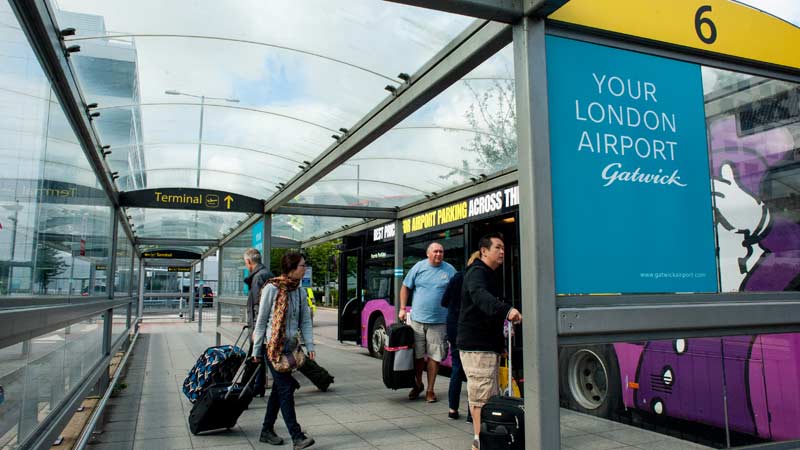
point(54, 222)
point(233, 317)
point(233, 270)
point(38, 373)
point(754, 139)
point(119, 322)
point(122, 275)
point(467, 131)
point(299, 228)
point(691, 388)
point(84, 342)
point(180, 224)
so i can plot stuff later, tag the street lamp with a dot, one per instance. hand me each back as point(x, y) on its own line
point(203, 99)
point(15, 218)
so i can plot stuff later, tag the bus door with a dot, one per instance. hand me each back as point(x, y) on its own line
point(509, 273)
point(350, 296)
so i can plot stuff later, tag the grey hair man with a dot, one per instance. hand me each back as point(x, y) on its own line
point(255, 280)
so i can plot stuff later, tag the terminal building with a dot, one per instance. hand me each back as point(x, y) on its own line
point(641, 159)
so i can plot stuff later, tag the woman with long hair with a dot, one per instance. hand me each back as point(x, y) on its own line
point(283, 313)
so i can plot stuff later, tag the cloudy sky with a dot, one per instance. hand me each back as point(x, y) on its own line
point(300, 70)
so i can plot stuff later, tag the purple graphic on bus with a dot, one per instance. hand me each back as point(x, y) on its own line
point(757, 215)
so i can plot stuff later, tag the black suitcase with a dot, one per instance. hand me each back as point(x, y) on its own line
point(398, 357)
point(221, 404)
point(503, 417)
point(317, 374)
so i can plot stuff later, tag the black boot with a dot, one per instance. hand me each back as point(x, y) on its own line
point(270, 437)
point(302, 441)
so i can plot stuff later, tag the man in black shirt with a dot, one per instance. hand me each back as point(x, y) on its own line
point(480, 326)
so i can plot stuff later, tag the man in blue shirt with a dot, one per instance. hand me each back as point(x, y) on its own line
point(427, 280)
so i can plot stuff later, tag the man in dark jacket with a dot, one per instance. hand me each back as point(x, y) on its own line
point(258, 276)
point(480, 326)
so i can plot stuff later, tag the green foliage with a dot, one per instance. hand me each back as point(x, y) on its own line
point(320, 257)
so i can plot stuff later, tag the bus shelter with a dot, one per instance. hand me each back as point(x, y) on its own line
point(647, 154)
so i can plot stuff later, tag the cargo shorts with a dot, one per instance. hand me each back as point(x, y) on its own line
point(430, 339)
point(481, 369)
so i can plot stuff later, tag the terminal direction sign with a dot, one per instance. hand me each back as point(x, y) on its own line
point(179, 269)
point(170, 254)
point(719, 26)
point(100, 267)
point(193, 199)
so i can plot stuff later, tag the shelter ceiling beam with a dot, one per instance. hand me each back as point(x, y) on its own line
point(177, 242)
point(506, 11)
point(477, 43)
point(361, 212)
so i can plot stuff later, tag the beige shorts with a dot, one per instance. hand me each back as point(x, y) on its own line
point(481, 369)
point(430, 339)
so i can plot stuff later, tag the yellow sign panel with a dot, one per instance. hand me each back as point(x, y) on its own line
point(720, 26)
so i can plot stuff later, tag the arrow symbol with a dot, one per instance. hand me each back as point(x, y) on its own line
point(228, 199)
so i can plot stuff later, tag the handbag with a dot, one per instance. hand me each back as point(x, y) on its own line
point(290, 361)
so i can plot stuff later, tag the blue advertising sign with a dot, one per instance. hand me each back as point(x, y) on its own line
point(256, 238)
point(632, 210)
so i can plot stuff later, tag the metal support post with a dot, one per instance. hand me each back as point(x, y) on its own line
point(191, 295)
point(540, 361)
point(266, 242)
point(111, 273)
point(200, 295)
point(398, 264)
point(140, 308)
point(217, 305)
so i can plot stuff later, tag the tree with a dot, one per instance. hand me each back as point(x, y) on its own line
point(49, 264)
point(320, 257)
point(493, 118)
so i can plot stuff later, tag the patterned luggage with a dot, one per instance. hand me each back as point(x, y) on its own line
point(221, 404)
point(215, 365)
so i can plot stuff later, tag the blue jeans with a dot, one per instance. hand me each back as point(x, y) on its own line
point(457, 376)
point(281, 398)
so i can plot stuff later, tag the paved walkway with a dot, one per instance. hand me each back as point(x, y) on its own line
point(357, 413)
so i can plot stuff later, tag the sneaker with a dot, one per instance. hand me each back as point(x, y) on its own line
point(415, 391)
point(453, 415)
point(270, 437)
point(476, 444)
point(302, 441)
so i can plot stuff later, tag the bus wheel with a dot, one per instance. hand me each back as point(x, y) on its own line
point(377, 338)
point(589, 379)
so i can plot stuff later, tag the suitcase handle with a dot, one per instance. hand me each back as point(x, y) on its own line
point(509, 330)
point(241, 334)
point(240, 372)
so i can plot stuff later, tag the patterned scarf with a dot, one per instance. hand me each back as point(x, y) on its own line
point(278, 338)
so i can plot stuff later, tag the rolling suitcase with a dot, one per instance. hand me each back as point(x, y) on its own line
point(221, 404)
point(216, 365)
point(398, 357)
point(317, 374)
point(503, 417)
